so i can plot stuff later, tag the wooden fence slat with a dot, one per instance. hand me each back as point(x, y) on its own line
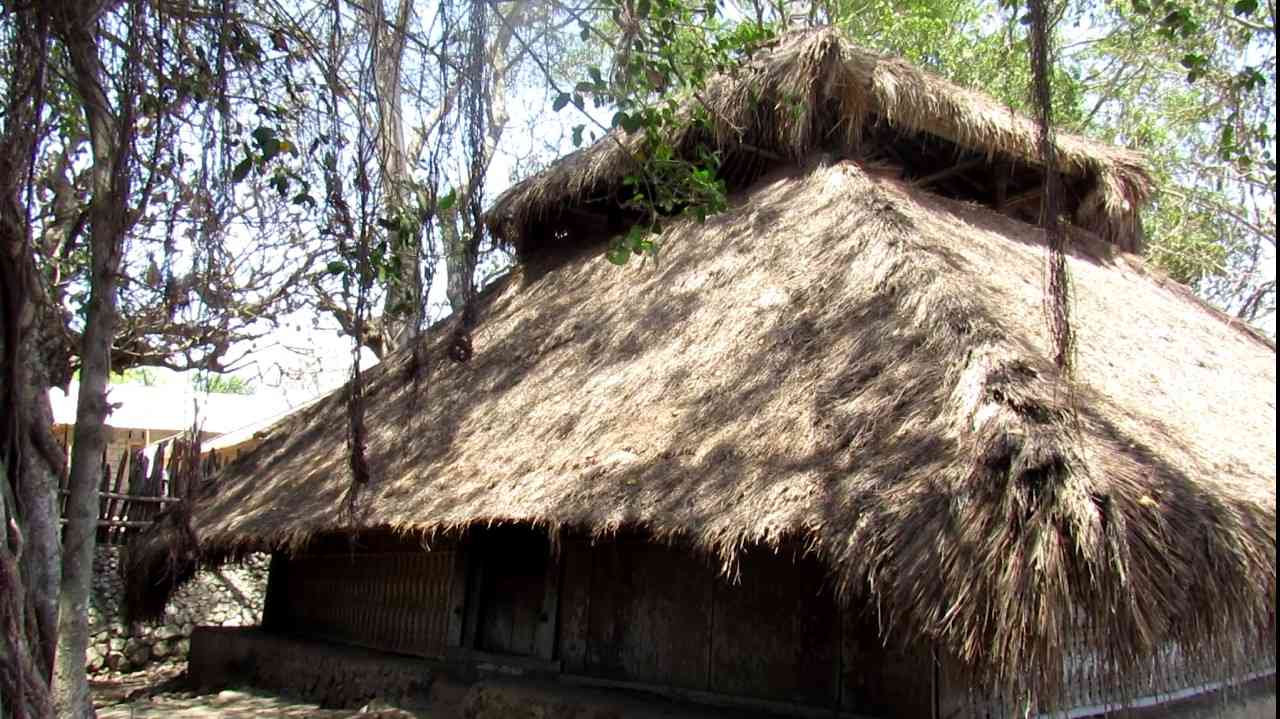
point(124, 510)
point(114, 504)
point(175, 468)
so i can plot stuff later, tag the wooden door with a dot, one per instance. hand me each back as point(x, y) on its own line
point(512, 581)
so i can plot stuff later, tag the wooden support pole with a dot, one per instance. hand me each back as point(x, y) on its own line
point(457, 602)
point(1024, 198)
point(948, 172)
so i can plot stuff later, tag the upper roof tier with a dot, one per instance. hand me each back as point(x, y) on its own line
point(813, 91)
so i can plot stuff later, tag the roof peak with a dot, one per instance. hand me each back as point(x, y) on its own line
point(813, 91)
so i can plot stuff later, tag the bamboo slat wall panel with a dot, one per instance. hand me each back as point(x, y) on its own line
point(1169, 677)
point(1171, 674)
point(395, 602)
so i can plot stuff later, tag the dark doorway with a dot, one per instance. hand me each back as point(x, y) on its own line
point(511, 580)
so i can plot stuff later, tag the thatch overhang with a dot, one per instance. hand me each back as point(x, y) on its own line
point(853, 363)
point(814, 91)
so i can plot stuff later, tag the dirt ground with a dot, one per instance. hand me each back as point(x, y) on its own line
point(164, 692)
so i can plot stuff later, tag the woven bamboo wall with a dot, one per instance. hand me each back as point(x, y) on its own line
point(393, 601)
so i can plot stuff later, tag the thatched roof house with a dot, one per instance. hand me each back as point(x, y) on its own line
point(850, 363)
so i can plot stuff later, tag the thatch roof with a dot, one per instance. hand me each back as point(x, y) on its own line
point(854, 363)
point(814, 90)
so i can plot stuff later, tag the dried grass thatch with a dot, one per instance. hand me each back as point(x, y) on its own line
point(164, 557)
point(851, 362)
point(815, 90)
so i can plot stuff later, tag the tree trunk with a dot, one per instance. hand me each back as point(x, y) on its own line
point(108, 222)
point(42, 467)
point(402, 311)
point(28, 525)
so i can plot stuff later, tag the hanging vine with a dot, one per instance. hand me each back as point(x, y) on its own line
point(476, 106)
point(1058, 284)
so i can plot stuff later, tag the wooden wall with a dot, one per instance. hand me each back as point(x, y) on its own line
point(397, 601)
point(624, 612)
point(634, 612)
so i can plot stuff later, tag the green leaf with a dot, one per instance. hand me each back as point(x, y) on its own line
point(263, 135)
point(642, 9)
point(628, 122)
point(561, 100)
point(336, 267)
point(303, 198)
point(241, 170)
point(448, 201)
point(577, 135)
point(618, 254)
point(635, 236)
point(1245, 8)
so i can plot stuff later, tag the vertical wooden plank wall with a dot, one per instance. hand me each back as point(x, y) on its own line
point(879, 678)
point(776, 632)
point(575, 605)
point(622, 611)
point(646, 614)
point(650, 616)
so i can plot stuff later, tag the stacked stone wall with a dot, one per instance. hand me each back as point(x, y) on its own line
point(227, 597)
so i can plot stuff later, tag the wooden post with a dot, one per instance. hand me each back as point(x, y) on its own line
point(544, 636)
point(575, 604)
point(457, 603)
point(63, 488)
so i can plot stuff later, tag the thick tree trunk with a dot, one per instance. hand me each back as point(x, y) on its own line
point(28, 525)
point(108, 222)
point(42, 467)
point(71, 685)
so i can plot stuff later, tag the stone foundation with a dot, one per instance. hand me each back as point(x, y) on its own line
point(230, 597)
point(330, 675)
point(338, 676)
